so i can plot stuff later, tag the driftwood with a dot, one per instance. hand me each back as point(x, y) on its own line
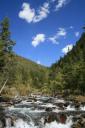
point(3, 86)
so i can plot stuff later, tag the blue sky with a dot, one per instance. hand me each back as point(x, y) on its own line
point(44, 30)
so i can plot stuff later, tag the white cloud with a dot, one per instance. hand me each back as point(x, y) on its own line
point(60, 33)
point(38, 62)
point(42, 12)
point(53, 40)
point(39, 38)
point(31, 15)
point(27, 13)
point(61, 3)
point(67, 49)
point(77, 34)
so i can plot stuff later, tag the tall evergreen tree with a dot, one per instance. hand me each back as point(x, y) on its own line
point(5, 35)
point(6, 46)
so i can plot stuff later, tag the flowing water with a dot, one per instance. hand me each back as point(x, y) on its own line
point(44, 112)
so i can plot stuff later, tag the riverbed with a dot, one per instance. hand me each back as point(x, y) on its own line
point(44, 112)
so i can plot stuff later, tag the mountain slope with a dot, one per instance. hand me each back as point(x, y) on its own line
point(24, 75)
point(69, 71)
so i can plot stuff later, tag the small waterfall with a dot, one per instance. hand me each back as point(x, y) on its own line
point(35, 115)
point(22, 124)
point(70, 108)
point(55, 124)
point(82, 108)
point(9, 122)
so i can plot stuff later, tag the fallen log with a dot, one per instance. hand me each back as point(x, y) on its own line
point(3, 86)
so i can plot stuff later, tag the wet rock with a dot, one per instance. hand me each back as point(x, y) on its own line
point(46, 99)
point(83, 115)
point(1, 99)
point(79, 123)
point(60, 105)
point(83, 103)
point(1, 124)
point(2, 118)
point(1, 110)
point(50, 118)
point(75, 118)
point(63, 118)
point(34, 99)
point(16, 101)
point(77, 105)
point(76, 125)
point(4, 99)
point(9, 122)
point(66, 104)
point(48, 109)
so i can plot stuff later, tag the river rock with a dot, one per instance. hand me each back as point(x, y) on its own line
point(77, 105)
point(48, 109)
point(62, 118)
point(80, 123)
point(1, 124)
point(66, 104)
point(2, 118)
point(4, 99)
point(50, 118)
point(60, 105)
point(9, 122)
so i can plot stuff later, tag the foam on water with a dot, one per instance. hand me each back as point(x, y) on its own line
point(59, 125)
point(56, 110)
point(82, 108)
point(48, 105)
point(30, 102)
point(22, 124)
point(23, 110)
point(19, 109)
point(70, 108)
point(25, 102)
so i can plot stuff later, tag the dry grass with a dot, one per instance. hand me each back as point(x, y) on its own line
point(80, 98)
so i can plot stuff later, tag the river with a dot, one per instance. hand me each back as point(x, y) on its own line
point(43, 112)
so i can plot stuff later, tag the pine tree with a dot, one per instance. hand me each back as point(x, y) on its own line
point(6, 49)
point(5, 35)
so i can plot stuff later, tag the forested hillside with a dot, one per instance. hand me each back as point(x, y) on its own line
point(69, 71)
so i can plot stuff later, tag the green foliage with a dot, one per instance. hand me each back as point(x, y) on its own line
point(6, 53)
point(27, 71)
point(1, 56)
point(5, 35)
point(70, 70)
